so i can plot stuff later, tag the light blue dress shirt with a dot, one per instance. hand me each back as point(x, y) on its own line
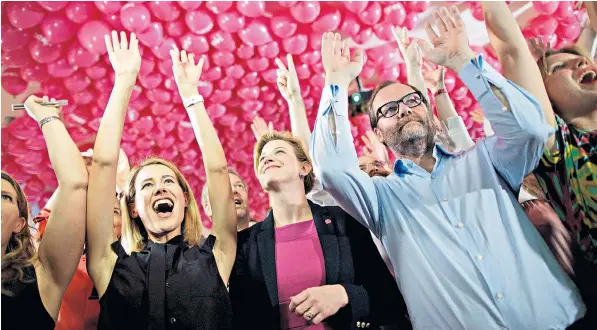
point(465, 254)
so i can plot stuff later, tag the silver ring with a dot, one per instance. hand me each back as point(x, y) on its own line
point(309, 315)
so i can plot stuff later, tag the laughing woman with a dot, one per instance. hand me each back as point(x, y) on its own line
point(307, 266)
point(34, 282)
point(157, 276)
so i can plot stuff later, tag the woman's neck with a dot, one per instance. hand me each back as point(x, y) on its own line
point(587, 122)
point(289, 206)
point(165, 237)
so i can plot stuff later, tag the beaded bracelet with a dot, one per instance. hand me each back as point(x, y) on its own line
point(47, 120)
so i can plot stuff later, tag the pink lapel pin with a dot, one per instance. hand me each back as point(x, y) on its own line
point(328, 221)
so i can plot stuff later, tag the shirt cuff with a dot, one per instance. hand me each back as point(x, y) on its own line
point(476, 75)
point(456, 125)
point(335, 99)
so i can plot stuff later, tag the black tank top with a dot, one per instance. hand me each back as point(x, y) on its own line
point(166, 286)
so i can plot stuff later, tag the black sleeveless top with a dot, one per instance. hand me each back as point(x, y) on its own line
point(24, 309)
point(166, 286)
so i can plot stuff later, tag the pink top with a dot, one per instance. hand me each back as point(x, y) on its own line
point(299, 266)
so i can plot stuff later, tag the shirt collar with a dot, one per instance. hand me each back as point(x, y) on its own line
point(401, 166)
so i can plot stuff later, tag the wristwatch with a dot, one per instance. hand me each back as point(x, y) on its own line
point(192, 101)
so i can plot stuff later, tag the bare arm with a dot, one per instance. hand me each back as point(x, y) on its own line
point(126, 62)
point(591, 7)
point(515, 57)
point(59, 257)
point(413, 59)
point(187, 75)
point(586, 40)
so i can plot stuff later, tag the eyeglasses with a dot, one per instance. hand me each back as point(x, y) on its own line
point(391, 108)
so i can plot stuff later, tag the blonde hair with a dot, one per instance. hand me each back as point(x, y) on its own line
point(134, 236)
point(299, 150)
point(20, 252)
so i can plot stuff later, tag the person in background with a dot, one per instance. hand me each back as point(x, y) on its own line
point(34, 282)
point(157, 275)
point(307, 266)
point(472, 270)
point(564, 82)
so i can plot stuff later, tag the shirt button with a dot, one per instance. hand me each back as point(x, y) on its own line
point(479, 257)
point(499, 295)
point(433, 176)
point(358, 324)
point(168, 285)
point(460, 225)
point(445, 199)
point(504, 109)
point(172, 320)
point(367, 325)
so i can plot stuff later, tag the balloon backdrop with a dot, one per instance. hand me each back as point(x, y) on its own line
point(61, 46)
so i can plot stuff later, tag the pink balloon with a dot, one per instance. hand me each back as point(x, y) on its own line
point(220, 96)
point(302, 71)
point(79, 56)
point(194, 44)
point(222, 59)
point(57, 28)
point(102, 85)
point(256, 34)
point(257, 64)
point(96, 71)
point(205, 88)
point(367, 72)
point(317, 80)
point(269, 50)
point(227, 83)
point(449, 82)
point(251, 8)
point(16, 58)
point(83, 98)
point(395, 14)
point(35, 72)
point(151, 80)
point(80, 12)
point(163, 50)
point(222, 41)
point(164, 10)
point(417, 6)
point(390, 73)
point(152, 36)
point(212, 75)
point(189, 5)
point(135, 17)
point(544, 25)
point(216, 110)
point(287, 4)
point(252, 105)
point(77, 82)
point(144, 124)
point(364, 36)
point(147, 65)
point(245, 52)
point(350, 27)
point(248, 93)
point(384, 31)
point(231, 22)
point(185, 131)
point(12, 82)
point(327, 22)
point(477, 13)
point(545, 7)
point(565, 10)
point(411, 21)
point(570, 32)
point(235, 71)
point(270, 76)
point(52, 5)
point(283, 27)
point(251, 79)
point(315, 40)
point(158, 95)
point(160, 109)
point(305, 11)
point(218, 7)
point(371, 15)
point(296, 44)
point(311, 57)
point(14, 38)
point(108, 7)
point(61, 68)
point(91, 36)
point(199, 22)
point(355, 6)
point(175, 28)
point(24, 14)
point(459, 93)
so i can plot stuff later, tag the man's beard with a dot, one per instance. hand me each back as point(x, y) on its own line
point(411, 144)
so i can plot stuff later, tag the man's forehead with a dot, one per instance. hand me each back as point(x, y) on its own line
point(391, 93)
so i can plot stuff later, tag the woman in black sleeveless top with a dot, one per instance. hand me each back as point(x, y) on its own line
point(157, 276)
point(34, 282)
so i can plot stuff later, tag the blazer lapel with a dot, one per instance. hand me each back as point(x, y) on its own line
point(329, 242)
point(266, 248)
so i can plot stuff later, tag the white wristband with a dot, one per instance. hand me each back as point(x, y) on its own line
point(192, 101)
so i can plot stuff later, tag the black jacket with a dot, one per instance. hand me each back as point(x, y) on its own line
point(351, 260)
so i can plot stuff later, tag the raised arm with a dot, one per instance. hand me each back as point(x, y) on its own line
point(413, 59)
point(62, 245)
point(332, 150)
point(187, 74)
point(516, 116)
point(288, 84)
point(459, 136)
point(591, 8)
point(518, 64)
point(126, 62)
point(587, 40)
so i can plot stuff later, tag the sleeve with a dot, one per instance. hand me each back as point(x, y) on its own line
point(459, 134)
point(336, 163)
point(521, 129)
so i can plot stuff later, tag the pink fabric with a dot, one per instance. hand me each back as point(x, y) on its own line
point(299, 266)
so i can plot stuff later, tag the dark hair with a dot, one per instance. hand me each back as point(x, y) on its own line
point(373, 119)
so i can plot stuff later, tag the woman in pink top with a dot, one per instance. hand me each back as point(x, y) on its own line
point(307, 266)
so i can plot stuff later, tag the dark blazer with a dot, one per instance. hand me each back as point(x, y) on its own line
point(351, 260)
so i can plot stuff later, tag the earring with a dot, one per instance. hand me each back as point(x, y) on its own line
point(301, 176)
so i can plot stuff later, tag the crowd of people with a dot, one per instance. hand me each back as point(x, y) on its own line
point(497, 234)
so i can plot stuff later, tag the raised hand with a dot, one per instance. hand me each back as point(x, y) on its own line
point(124, 55)
point(259, 127)
point(434, 77)
point(288, 82)
point(37, 111)
point(186, 72)
point(410, 51)
point(537, 46)
point(450, 47)
point(376, 148)
point(335, 55)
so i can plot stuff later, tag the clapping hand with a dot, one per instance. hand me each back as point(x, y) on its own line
point(450, 47)
point(288, 82)
point(259, 127)
point(339, 68)
point(411, 53)
point(186, 72)
point(124, 56)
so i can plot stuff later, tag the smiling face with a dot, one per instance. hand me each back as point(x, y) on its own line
point(159, 200)
point(571, 83)
point(278, 164)
point(410, 132)
point(13, 220)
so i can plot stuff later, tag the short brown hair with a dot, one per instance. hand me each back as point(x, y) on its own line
point(299, 150)
point(204, 191)
point(373, 119)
